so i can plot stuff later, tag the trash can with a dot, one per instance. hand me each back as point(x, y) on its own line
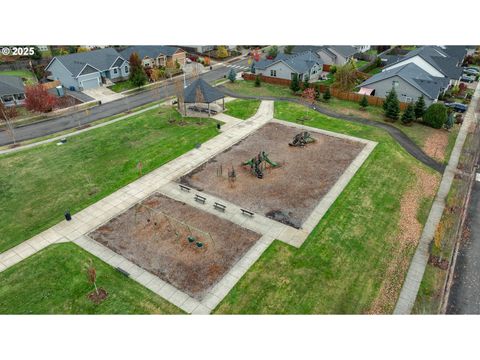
point(68, 216)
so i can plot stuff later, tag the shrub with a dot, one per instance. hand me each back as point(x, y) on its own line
point(232, 75)
point(272, 52)
point(435, 116)
point(326, 95)
point(409, 115)
point(317, 92)
point(333, 69)
point(419, 107)
point(364, 102)
point(39, 99)
point(257, 81)
point(295, 84)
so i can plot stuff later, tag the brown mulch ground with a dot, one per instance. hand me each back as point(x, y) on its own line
point(287, 193)
point(99, 297)
point(436, 144)
point(410, 230)
point(151, 236)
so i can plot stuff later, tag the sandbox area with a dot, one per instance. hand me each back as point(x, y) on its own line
point(288, 193)
point(154, 235)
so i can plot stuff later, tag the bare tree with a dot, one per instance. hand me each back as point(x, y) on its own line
point(8, 124)
point(179, 92)
point(92, 274)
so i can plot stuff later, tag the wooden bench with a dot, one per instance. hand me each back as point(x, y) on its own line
point(200, 199)
point(184, 188)
point(123, 272)
point(247, 212)
point(219, 207)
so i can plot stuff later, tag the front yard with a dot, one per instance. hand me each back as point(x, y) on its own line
point(356, 258)
point(39, 184)
point(27, 76)
point(122, 86)
point(54, 281)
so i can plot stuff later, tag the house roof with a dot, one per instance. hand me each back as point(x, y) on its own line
point(415, 76)
point(456, 51)
point(101, 60)
point(344, 50)
point(300, 63)
point(200, 91)
point(438, 58)
point(10, 85)
point(152, 51)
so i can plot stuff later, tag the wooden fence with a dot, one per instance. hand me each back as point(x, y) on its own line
point(342, 95)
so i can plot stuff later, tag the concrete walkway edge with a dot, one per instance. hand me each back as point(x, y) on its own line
point(411, 285)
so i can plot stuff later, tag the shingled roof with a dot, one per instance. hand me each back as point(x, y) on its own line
point(200, 91)
point(415, 76)
point(10, 85)
point(301, 62)
point(152, 51)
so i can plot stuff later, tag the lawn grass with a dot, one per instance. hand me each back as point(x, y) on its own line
point(54, 281)
point(341, 266)
point(248, 88)
point(27, 76)
point(122, 86)
point(37, 185)
point(360, 63)
point(242, 109)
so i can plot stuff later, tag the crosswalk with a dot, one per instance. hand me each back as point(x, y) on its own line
point(237, 67)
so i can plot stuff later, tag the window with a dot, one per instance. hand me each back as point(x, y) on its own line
point(126, 69)
point(115, 71)
point(273, 73)
point(408, 99)
point(395, 83)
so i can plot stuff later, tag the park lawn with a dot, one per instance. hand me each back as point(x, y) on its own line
point(54, 281)
point(37, 185)
point(27, 76)
point(248, 88)
point(122, 86)
point(242, 109)
point(360, 63)
point(341, 266)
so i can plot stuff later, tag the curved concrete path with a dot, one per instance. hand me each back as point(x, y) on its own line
point(404, 141)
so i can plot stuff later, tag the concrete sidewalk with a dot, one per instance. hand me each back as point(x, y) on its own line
point(415, 273)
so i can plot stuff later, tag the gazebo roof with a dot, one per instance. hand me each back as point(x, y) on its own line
point(200, 91)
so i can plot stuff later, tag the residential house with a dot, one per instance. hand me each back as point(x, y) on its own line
point(200, 49)
point(410, 81)
point(157, 56)
point(330, 54)
point(305, 64)
point(362, 48)
point(432, 59)
point(12, 90)
point(87, 70)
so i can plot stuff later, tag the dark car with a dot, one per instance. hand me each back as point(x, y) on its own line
point(467, 78)
point(458, 107)
point(471, 71)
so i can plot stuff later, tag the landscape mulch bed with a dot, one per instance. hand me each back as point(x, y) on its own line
point(154, 234)
point(287, 193)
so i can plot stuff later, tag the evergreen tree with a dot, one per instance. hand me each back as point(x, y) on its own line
point(137, 74)
point(232, 75)
point(327, 95)
point(435, 116)
point(409, 114)
point(257, 81)
point(420, 107)
point(317, 92)
point(306, 79)
point(390, 95)
point(294, 84)
point(364, 102)
point(252, 68)
point(393, 106)
point(450, 121)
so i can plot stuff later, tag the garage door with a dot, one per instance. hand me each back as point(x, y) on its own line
point(89, 84)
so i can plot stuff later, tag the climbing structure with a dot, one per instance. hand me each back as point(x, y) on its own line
point(258, 164)
point(302, 139)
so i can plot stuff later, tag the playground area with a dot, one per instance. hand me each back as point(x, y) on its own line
point(187, 247)
point(266, 173)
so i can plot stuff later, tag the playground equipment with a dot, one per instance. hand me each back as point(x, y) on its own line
point(302, 139)
point(258, 164)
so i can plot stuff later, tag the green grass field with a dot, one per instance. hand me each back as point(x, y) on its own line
point(39, 184)
point(341, 266)
point(28, 76)
point(54, 281)
point(122, 86)
point(242, 109)
point(248, 88)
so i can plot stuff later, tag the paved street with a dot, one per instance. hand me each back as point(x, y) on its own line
point(109, 109)
point(465, 293)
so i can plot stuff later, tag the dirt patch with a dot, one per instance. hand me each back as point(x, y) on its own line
point(287, 193)
point(436, 144)
point(187, 247)
point(409, 232)
point(98, 296)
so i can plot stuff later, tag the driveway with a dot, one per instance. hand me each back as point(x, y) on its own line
point(103, 94)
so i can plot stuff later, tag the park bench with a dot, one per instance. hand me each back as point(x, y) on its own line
point(184, 188)
point(247, 212)
point(200, 199)
point(219, 207)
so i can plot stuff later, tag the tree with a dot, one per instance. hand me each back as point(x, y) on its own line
point(82, 50)
point(232, 75)
point(252, 68)
point(92, 275)
point(390, 95)
point(257, 81)
point(272, 52)
point(420, 107)
point(346, 76)
point(450, 120)
point(38, 99)
point(137, 74)
point(409, 114)
point(317, 92)
point(295, 84)
point(37, 54)
point(306, 80)
point(326, 95)
point(288, 49)
point(435, 116)
point(308, 95)
point(222, 52)
point(6, 115)
point(364, 102)
point(393, 106)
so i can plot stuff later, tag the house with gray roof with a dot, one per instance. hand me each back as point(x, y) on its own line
point(330, 54)
point(12, 90)
point(410, 82)
point(156, 55)
point(87, 70)
point(305, 65)
point(432, 59)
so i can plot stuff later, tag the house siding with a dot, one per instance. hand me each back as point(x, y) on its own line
point(59, 72)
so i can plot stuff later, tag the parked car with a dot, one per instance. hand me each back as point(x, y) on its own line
point(471, 71)
point(467, 78)
point(458, 107)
